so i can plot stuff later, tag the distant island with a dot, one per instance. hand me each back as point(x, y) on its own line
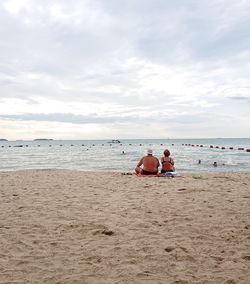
point(43, 139)
point(3, 140)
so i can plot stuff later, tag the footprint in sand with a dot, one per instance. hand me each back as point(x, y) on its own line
point(246, 257)
point(181, 189)
point(107, 232)
point(169, 249)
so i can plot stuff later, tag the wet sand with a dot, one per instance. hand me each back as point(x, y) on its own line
point(82, 227)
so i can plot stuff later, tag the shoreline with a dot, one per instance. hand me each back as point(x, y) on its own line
point(132, 172)
point(70, 226)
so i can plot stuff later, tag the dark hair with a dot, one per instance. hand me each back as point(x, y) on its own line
point(166, 153)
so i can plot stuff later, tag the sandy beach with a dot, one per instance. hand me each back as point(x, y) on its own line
point(84, 227)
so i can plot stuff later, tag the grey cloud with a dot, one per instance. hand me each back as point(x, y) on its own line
point(90, 52)
point(68, 118)
point(152, 29)
point(239, 98)
point(122, 117)
point(187, 119)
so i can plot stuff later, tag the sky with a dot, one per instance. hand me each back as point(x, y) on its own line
point(102, 69)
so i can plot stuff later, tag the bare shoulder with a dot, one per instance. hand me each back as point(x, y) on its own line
point(157, 160)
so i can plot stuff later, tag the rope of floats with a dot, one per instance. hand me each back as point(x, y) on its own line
point(189, 145)
point(218, 147)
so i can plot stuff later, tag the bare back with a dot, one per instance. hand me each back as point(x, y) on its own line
point(167, 164)
point(150, 163)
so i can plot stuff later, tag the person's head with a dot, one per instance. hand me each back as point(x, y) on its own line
point(150, 152)
point(166, 153)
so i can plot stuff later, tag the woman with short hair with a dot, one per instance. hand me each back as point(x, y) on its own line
point(167, 162)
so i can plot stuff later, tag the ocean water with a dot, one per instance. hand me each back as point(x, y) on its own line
point(101, 155)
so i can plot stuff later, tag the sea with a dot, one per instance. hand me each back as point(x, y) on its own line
point(106, 155)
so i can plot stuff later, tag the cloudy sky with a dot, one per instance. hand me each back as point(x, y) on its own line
point(99, 69)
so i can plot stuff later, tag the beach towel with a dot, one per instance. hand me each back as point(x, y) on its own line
point(140, 175)
point(168, 174)
point(171, 174)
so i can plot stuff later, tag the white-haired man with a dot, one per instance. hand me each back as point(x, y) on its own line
point(149, 163)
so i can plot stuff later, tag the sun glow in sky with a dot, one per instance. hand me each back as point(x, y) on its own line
point(100, 69)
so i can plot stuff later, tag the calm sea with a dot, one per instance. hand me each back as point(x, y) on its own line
point(101, 155)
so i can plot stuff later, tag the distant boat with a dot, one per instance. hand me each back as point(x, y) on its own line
point(42, 139)
point(114, 141)
point(3, 140)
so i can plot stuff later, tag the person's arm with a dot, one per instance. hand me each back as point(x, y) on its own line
point(138, 169)
point(140, 163)
point(171, 161)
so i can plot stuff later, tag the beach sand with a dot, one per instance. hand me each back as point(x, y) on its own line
point(84, 227)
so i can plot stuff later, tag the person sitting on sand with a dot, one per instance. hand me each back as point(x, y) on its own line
point(167, 163)
point(150, 164)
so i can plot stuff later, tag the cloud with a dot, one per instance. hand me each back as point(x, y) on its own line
point(145, 116)
point(241, 98)
point(66, 118)
point(151, 61)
